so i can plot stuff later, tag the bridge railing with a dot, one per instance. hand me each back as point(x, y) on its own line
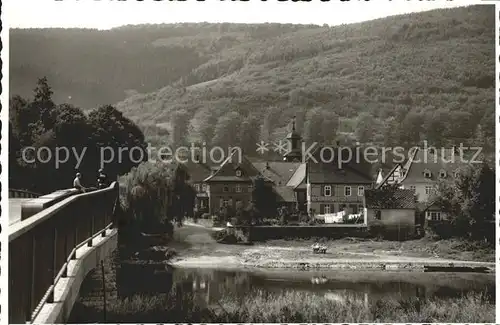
point(41, 247)
point(22, 194)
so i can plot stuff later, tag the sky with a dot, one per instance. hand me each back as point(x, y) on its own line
point(105, 14)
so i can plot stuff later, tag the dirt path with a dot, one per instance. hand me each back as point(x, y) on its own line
point(197, 248)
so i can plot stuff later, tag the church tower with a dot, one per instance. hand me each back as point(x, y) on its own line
point(295, 145)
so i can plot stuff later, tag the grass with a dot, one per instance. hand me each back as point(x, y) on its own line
point(264, 307)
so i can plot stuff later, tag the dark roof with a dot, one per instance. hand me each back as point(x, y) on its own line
point(228, 168)
point(284, 193)
point(423, 159)
point(279, 172)
point(197, 171)
point(429, 206)
point(340, 168)
point(387, 199)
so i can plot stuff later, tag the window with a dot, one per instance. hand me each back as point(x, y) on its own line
point(225, 202)
point(225, 189)
point(361, 190)
point(197, 187)
point(327, 209)
point(413, 188)
point(378, 215)
point(238, 188)
point(327, 190)
point(202, 204)
point(354, 208)
point(434, 215)
point(238, 173)
point(347, 191)
point(427, 173)
point(204, 187)
point(442, 173)
point(428, 190)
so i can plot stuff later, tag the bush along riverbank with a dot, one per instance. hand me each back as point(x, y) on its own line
point(263, 307)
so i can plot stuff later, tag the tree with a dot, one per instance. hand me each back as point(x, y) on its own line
point(313, 126)
point(43, 103)
point(118, 143)
point(435, 127)
point(271, 120)
point(411, 129)
point(321, 126)
point(147, 192)
point(227, 130)
point(329, 126)
point(180, 122)
point(14, 167)
point(263, 198)
point(365, 128)
point(249, 134)
point(202, 125)
point(469, 199)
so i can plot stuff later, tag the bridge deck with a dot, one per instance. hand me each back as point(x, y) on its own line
point(15, 210)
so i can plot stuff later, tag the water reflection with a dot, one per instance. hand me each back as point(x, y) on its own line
point(210, 286)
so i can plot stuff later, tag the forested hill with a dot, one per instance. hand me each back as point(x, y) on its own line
point(406, 78)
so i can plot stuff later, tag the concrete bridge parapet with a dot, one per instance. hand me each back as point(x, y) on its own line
point(51, 250)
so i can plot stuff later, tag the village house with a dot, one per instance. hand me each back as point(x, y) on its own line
point(232, 183)
point(280, 172)
point(395, 211)
point(421, 173)
point(332, 186)
point(198, 172)
point(432, 213)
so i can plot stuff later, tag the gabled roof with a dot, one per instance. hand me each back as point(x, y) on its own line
point(279, 172)
point(426, 160)
point(397, 199)
point(227, 170)
point(389, 175)
point(339, 168)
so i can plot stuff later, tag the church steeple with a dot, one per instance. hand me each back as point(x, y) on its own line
point(294, 139)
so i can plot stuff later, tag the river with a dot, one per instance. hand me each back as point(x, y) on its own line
point(207, 287)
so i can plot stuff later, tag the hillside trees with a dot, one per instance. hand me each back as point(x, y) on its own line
point(321, 126)
point(180, 126)
point(405, 74)
point(227, 130)
point(201, 127)
point(249, 134)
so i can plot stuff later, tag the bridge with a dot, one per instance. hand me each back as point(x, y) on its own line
point(54, 241)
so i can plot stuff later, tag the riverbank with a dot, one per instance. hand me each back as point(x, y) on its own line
point(197, 248)
point(262, 306)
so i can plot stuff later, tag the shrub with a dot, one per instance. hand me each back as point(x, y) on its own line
point(144, 194)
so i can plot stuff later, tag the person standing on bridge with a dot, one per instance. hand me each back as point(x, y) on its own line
point(77, 183)
point(102, 180)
